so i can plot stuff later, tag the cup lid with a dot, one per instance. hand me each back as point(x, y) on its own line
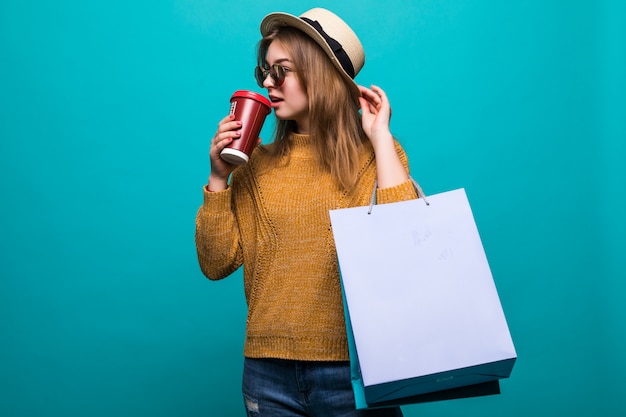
point(251, 95)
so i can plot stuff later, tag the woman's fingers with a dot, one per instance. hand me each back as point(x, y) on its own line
point(376, 112)
point(228, 127)
point(227, 131)
point(375, 97)
point(370, 96)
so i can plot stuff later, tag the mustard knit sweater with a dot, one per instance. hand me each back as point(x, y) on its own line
point(276, 223)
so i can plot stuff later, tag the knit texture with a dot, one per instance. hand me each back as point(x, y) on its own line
point(276, 223)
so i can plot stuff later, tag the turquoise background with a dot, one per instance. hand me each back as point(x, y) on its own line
point(106, 112)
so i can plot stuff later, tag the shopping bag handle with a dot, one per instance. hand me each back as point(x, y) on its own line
point(420, 194)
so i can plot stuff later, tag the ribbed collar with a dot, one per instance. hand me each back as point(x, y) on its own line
point(300, 140)
point(301, 146)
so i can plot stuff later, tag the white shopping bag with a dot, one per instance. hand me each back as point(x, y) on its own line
point(422, 310)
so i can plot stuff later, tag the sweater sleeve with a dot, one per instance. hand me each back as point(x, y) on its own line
point(217, 236)
point(400, 192)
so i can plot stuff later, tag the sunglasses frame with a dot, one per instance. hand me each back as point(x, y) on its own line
point(276, 71)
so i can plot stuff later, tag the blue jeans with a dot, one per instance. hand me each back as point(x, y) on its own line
point(285, 388)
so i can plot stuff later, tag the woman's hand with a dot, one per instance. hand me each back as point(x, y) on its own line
point(375, 113)
point(228, 129)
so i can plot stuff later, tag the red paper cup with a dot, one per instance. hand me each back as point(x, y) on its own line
point(250, 109)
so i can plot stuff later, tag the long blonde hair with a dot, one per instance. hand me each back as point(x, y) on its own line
point(337, 135)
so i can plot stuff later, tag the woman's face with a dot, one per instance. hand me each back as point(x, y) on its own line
point(289, 100)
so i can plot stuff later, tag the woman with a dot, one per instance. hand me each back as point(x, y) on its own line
point(332, 143)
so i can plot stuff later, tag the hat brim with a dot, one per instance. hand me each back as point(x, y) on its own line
point(274, 20)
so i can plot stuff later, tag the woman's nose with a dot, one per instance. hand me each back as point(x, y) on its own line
point(268, 81)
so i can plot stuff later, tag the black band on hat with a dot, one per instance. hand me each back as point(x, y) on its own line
point(337, 48)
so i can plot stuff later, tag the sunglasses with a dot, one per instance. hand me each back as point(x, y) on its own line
point(276, 71)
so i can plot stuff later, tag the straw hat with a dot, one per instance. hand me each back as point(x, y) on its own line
point(334, 35)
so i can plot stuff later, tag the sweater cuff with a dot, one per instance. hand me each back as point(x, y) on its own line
point(400, 192)
point(217, 200)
